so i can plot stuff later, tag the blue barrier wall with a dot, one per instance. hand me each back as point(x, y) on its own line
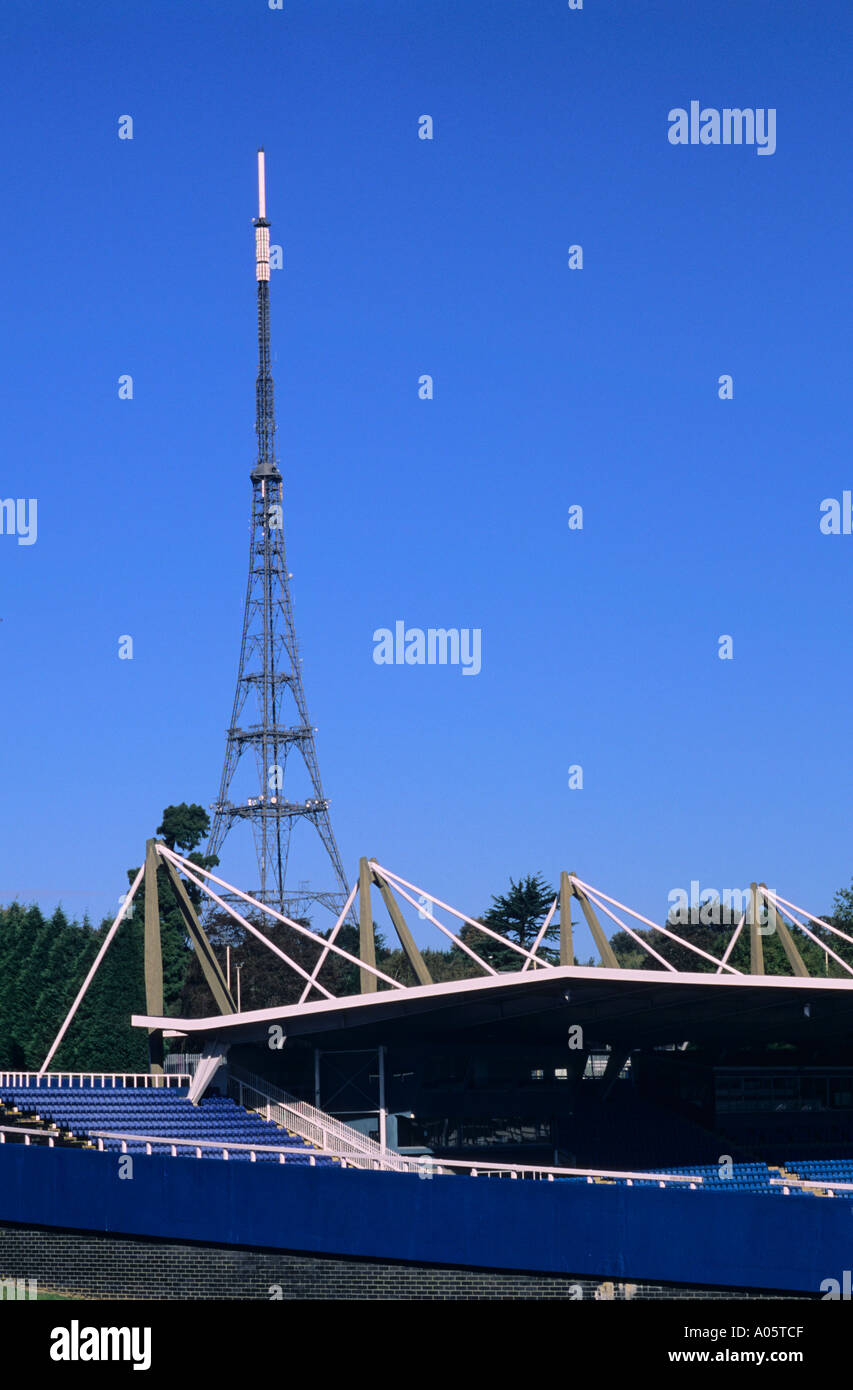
point(738, 1239)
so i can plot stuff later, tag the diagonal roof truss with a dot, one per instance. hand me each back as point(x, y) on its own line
point(393, 888)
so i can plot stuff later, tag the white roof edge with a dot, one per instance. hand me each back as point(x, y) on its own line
point(507, 980)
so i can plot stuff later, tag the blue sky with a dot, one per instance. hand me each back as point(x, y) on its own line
point(553, 387)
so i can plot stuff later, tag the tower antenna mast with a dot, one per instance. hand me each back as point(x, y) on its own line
point(269, 679)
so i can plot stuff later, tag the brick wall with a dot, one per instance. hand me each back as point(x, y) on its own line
point(103, 1266)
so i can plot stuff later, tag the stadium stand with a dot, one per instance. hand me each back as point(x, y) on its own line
point(87, 1112)
point(106, 1114)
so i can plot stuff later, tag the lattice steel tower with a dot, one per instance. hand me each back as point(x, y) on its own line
point(269, 680)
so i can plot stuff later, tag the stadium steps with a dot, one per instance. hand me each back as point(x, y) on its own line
point(15, 1117)
point(829, 1171)
point(162, 1115)
point(266, 1112)
point(315, 1127)
point(787, 1174)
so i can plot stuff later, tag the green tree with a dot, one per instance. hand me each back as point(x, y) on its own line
point(16, 930)
point(69, 956)
point(714, 939)
point(183, 827)
point(34, 1027)
point(265, 979)
point(101, 1036)
point(518, 915)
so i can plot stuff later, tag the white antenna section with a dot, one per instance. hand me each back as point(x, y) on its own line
point(262, 186)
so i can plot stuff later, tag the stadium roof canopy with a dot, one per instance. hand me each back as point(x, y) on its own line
point(625, 1008)
point(537, 1002)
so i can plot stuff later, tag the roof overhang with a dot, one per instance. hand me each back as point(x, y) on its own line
point(630, 1008)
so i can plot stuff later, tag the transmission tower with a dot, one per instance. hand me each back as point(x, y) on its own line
point(270, 716)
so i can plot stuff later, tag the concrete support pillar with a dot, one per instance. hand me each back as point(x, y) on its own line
point(789, 945)
point(366, 940)
point(567, 952)
point(153, 958)
point(756, 952)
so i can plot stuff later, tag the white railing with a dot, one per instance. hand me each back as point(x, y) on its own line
point(473, 1168)
point(807, 1183)
point(202, 1146)
point(426, 1166)
point(29, 1134)
point(255, 1093)
point(81, 1079)
point(185, 1062)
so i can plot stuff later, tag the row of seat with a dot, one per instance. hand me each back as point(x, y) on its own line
point(738, 1177)
point(36, 1097)
point(750, 1177)
point(169, 1113)
point(832, 1169)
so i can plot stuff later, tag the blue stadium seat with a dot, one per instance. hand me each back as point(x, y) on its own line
point(167, 1112)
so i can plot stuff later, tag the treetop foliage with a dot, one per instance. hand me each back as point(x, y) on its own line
point(183, 827)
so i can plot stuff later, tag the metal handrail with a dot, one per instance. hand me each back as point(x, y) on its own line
point(475, 1169)
point(811, 1182)
point(515, 1170)
point(130, 1080)
point(49, 1134)
point(218, 1146)
point(315, 1125)
point(425, 1166)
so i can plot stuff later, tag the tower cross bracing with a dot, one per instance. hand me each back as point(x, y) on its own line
point(270, 714)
